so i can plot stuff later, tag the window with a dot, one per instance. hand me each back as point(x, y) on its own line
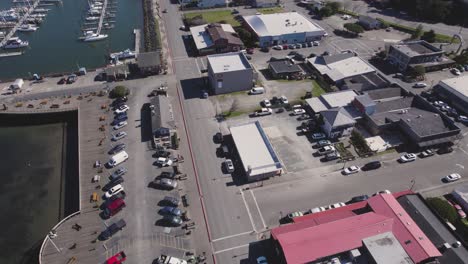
point(220, 84)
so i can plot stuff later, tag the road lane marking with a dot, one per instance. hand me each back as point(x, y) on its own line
point(464, 151)
point(228, 249)
point(231, 236)
point(248, 210)
point(258, 209)
point(461, 166)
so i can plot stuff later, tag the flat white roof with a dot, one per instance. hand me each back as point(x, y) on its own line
point(234, 61)
point(281, 23)
point(341, 69)
point(254, 149)
point(201, 37)
point(459, 84)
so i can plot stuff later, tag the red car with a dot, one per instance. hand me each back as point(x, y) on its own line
point(460, 211)
point(117, 258)
point(285, 47)
point(250, 51)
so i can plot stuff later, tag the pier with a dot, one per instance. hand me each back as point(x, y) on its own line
point(29, 11)
point(137, 33)
point(101, 18)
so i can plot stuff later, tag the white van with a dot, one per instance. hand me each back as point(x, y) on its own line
point(257, 90)
point(117, 159)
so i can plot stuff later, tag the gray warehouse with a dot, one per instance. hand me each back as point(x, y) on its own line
point(229, 72)
point(256, 153)
point(455, 90)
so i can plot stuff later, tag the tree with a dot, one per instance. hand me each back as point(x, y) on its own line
point(334, 6)
point(326, 11)
point(353, 27)
point(245, 36)
point(429, 36)
point(418, 32)
point(418, 71)
point(119, 91)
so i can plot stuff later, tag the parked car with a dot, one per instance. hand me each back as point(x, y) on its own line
point(184, 28)
point(118, 120)
point(266, 103)
point(420, 85)
point(162, 153)
point(462, 119)
point(316, 43)
point(257, 90)
point(118, 173)
point(117, 148)
point(170, 210)
point(167, 174)
point(263, 111)
point(166, 184)
point(71, 78)
point(262, 260)
point(444, 150)
point(113, 191)
point(122, 109)
point(278, 47)
point(229, 166)
point(291, 46)
point(455, 71)
point(119, 135)
point(336, 205)
point(283, 99)
point(317, 210)
point(460, 211)
point(204, 94)
point(120, 125)
point(426, 153)
point(170, 201)
point(452, 113)
point(112, 183)
point(332, 156)
point(250, 50)
point(298, 111)
point(172, 220)
point(293, 215)
point(325, 150)
point(117, 258)
point(318, 136)
point(164, 162)
point(409, 157)
point(112, 230)
point(373, 165)
point(439, 103)
point(351, 170)
point(382, 192)
point(323, 143)
point(357, 199)
point(452, 177)
point(62, 81)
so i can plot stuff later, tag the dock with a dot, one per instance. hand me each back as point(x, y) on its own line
point(10, 54)
point(137, 33)
point(101, 18)
point(21, 21)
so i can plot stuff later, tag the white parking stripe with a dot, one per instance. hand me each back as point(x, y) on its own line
point(227, 249)
point(248, 211)
point(231, 236)
point(258, 209)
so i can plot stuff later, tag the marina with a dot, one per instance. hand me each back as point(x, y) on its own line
point(97, 19)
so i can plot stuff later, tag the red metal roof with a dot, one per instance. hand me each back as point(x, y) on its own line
point(317, 241)
point(319, 235)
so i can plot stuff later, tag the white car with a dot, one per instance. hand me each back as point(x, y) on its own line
point(408, 157)
point(419, 85)
point(266, 103)
point(382, 192)
point(113, 191)
point(278, 47)
point(164, 162)
point(119, 136)
point(229, 165)
point(262, 260)
point(120, 125)
point(351, 170)
point(326, 150)
point(452, 177)
point(345, 17)
point(317, 210)
point(122, 109)
point(284, 99)
point(455, 71)
point(292, 215)
point(336, 205)
point(462, 119)
point(263, 111)
point(316, 43)
point(299, 111)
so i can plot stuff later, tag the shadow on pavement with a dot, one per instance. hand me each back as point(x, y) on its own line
point(192, 87)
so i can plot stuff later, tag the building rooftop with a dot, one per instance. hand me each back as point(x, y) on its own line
point(309, 240)
point(457, 84)
point(149, 59)
point(385, 93)
point(254, 148)
point(416, 48)
point(433, 228)
point(340, 66)
point(227, 62)
point(365, 100)
point(284, 66)
point(161, 114)
point(337, 117)
point(280, 24)
point(205, 35)
point(331, 100)
point(368, 19)
point(385, 248)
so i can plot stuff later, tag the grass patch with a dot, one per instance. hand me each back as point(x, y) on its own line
point(388, 151)
point(270, 10)
point(232, 114)
point(317, 90)
point(215, 17)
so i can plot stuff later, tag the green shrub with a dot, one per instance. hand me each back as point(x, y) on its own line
point(360, 143)
point(119, 91)
point(175, 141)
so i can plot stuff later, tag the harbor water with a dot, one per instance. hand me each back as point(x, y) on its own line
point(38, 182)
point(55, 47)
